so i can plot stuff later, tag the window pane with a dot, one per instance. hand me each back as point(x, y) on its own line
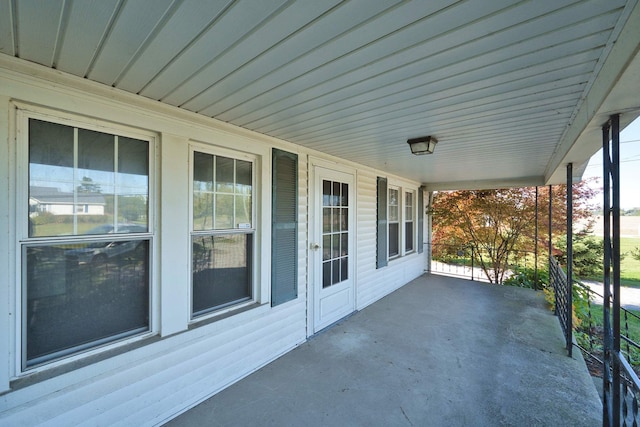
point(51, 178)
point(224, 211)
point(221, 271)
point(243, 212)
point(243, 177)
point(224, 174)
point(408, 206)
point(77, 185)
point(202, 211)
point(133, 181)
point(393, 239)
point(202, 172)
point(82, 295)
point(408, 237)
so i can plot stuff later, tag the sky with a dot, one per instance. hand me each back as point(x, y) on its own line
point(629, 167)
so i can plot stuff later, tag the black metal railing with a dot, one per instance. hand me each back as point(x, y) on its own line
point(590, 339)
point(560, 284)
point(467, 262)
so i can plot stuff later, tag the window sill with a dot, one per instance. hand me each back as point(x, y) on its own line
point(30, 379)
point(213, 317)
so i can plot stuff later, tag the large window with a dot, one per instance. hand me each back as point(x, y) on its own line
point(394, 222)
point(223, 232)
point(85, 253)
point(399, 221)
point(409, 221)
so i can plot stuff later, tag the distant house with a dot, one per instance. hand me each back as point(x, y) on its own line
point(56, 202)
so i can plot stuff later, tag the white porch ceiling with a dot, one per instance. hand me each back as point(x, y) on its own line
point(502, 84)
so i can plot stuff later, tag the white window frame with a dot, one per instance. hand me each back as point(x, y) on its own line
point(258, 296)
point(407, 220)
point(24, 112)
point(398, 221)
point(402, 188)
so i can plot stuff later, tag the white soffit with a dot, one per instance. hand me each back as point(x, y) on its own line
point(501, 84)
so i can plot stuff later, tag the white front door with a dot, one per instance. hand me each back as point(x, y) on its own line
point(332, 250)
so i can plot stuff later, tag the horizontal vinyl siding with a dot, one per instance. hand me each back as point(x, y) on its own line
point(168, 376)
point(164, 377)
point(372, 283)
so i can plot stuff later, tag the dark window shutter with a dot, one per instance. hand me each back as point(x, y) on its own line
point(381, 238)
point(420, 220)
point(284, 227)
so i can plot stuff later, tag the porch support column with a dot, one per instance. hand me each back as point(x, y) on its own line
point(569, 330)
point(611, 162)
point(535, 274)
point(429, 229)
point(549, 243)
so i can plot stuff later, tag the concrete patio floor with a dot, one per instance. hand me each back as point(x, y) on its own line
point(440, 351)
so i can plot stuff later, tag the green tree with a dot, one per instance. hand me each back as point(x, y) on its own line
point(588, 253)
point(497, 223)
point(88, 186)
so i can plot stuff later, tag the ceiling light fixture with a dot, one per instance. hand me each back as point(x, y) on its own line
point(422, 145)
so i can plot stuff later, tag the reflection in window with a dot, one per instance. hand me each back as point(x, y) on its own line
point(80, 179)
point(222, 192)
point(80, 295)
point(221, 271)
point(221, 260)
point(93, 288)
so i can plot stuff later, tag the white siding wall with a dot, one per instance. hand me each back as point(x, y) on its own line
point(373, 283)
point(183, 364)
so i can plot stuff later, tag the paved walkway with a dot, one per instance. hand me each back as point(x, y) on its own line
point(440, 351)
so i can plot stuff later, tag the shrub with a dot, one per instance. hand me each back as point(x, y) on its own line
point(524, 277)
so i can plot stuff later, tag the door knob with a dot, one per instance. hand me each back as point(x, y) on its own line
point(315, 246)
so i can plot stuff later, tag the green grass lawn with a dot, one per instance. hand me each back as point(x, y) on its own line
point(629, 267)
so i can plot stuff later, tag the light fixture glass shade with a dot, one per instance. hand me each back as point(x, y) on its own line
point(422, 145)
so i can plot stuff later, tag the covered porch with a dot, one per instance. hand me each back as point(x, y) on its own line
point(494, 356)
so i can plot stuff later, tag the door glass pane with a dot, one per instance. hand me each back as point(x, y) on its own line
point(326, 220)
point(326, 274)
point(344, 265)
point(326, 193)
point(345, 195)
point(335, 226)
point(335, 236)
point(335, 199)
point(335, 271)
point(326, 247)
